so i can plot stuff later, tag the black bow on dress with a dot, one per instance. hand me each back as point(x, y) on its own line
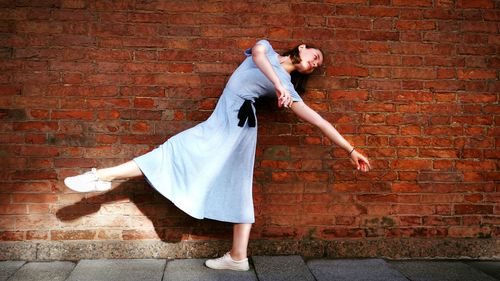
point(246, 112)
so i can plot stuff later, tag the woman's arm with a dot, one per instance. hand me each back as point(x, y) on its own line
point(308, 114)
point(262, 62)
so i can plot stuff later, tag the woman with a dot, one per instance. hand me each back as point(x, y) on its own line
point(207, 170)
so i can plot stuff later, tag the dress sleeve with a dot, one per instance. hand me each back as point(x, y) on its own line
point(293, 92)
point(269, 48)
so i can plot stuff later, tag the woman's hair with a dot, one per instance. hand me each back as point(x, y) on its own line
point(299, 80)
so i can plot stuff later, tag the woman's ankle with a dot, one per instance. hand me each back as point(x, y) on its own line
point(102, 175)
point(237, 256)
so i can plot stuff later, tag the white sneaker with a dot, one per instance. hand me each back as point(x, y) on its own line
point(88, 182)
point(226, 262)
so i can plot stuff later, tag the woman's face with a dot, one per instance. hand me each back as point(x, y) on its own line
point(310, 59)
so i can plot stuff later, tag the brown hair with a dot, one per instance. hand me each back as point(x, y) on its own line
point(299, 80)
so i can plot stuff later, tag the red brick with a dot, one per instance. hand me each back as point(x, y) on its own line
point(416, 3)
point(476, 165)
point(407, 187)
point(463, 209)
point(349, 95)
point(39, 151)
point(379, 130)
point(378, 11)
point(350, 23)
point(283, 177)
point(474, 198)
point(377, 198)
point(139, 234)
point(438, 153)
point(35, 187)
point(317, 220)
point(72, 234)
point(37, 235)
point(39, 209)
point(415, 209)
point(408, 164)
point(476, 74)
point(351, 187)
point(33, 198)
point(80, 115)
point(74, 162)
point(13, 209)
point(141, 127)
point(414, 73)
point(12, 235)
point(415, 25)
point(341, 232)
point(381, 60)
point(279, 232)
point(464, 4)
point(347, 209)
point(36, 126)
point(379, 35)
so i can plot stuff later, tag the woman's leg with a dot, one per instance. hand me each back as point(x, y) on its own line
point(126, 170)
point(241, 235)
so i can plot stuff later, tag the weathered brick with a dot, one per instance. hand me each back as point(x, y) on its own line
point(412, 83)
point(462, 209)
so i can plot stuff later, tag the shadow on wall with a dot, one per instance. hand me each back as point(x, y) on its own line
point(170, 223)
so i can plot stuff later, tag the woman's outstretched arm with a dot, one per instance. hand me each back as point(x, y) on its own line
point(308, 114)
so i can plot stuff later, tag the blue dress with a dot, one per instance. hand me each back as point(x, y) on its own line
point(207, 170)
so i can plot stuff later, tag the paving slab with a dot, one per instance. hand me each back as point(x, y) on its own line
point(491, 268)
point(281, 268)
point(354, 270)
point(195, 270)
point(440, 271)
point(118, 270)
point(43, 271)
point(8, 268)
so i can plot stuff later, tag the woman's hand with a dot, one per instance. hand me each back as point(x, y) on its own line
point(284, 97)
point(360, 162)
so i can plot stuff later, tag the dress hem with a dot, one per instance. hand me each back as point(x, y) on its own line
point(179, 205)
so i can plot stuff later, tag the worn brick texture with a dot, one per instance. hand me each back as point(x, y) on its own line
point(412, 84)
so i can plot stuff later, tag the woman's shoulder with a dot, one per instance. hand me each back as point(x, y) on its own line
point(263, 42)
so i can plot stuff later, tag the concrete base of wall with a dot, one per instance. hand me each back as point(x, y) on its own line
point(381, 248)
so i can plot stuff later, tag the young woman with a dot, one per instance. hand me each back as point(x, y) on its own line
point(207, 170)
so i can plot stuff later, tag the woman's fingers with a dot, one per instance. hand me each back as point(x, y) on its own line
point(285, 99)
point(362, 165)
point(365, 167)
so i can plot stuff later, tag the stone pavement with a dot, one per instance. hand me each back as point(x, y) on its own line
point(264, 268)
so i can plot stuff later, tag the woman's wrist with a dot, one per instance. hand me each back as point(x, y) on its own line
point(351, 151)
point(277, 84)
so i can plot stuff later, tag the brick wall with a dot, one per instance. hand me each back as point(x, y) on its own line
point(413, 84)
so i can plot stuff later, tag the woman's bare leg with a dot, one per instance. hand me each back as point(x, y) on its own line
point(241, 235)
point(123, 171)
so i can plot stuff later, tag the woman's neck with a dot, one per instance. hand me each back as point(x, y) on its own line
point(287, 64)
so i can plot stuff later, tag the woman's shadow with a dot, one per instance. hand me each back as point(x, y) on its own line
point(170, 224)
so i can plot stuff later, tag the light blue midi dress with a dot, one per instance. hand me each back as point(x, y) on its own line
point(207, 170)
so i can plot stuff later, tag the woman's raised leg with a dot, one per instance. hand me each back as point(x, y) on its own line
point(122, 171)
point(100, 180)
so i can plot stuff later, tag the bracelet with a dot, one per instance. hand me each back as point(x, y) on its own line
point(351, 151)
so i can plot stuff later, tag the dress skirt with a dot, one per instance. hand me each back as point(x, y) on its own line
point(207, 170)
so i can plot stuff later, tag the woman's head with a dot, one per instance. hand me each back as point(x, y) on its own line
point(306, 59)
